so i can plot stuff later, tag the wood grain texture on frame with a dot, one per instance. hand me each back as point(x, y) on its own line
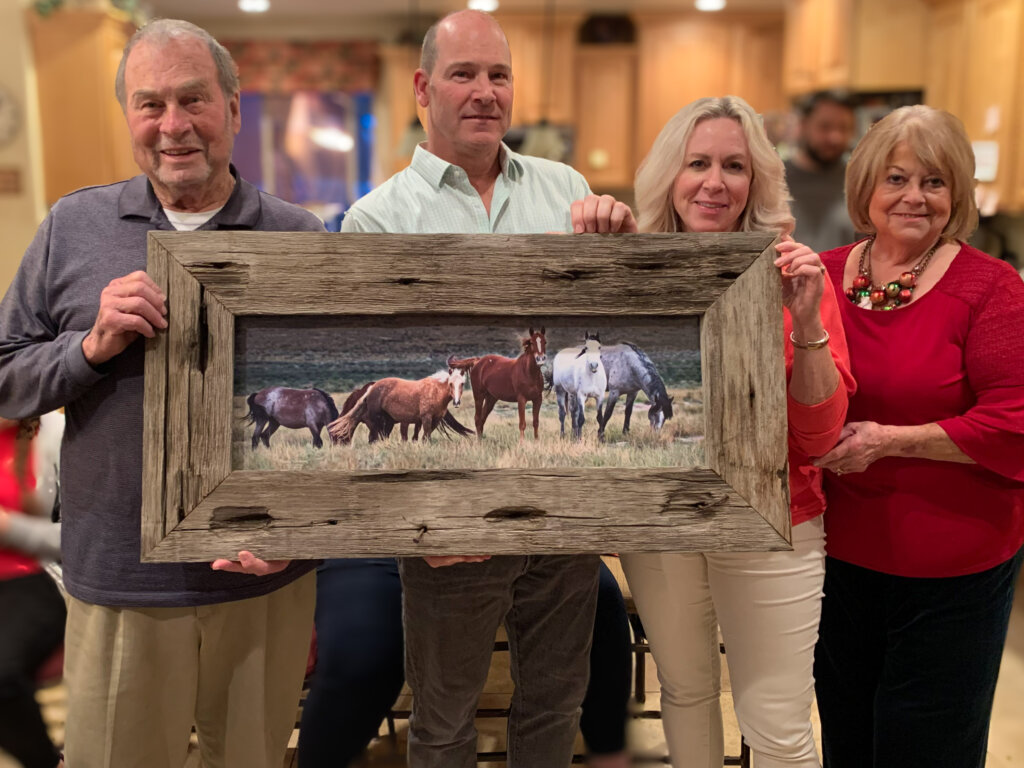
point(196, 508)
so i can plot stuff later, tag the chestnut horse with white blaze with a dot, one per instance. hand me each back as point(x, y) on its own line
point(510, 380)
point(423, 402)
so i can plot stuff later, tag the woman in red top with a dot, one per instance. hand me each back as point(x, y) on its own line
point(926, 500)
point(712, 169)
point(31, 607)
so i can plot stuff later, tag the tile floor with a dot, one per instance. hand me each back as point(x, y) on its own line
point(1006, 741)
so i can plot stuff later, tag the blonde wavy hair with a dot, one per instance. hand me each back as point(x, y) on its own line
point(939, 142)
point(767, 208)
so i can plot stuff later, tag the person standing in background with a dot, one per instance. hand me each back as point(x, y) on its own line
point(30, 603)
point(816, 173)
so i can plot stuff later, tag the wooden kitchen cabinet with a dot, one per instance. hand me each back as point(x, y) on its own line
point(544, 65)
point(85, 139)
point(977, 73)
point(947, 54)
point(684, 57)
point(860, 45)
point(802, 46)
point(605, 147)
point(993, 104)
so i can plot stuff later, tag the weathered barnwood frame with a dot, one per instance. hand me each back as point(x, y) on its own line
point(195, 507)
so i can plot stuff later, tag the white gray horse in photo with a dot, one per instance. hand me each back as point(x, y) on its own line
point(577, 374)
point(630, 371)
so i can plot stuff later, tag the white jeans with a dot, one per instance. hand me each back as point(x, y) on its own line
point(768, 605)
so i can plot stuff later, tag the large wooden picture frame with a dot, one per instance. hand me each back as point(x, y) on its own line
point(195, 507)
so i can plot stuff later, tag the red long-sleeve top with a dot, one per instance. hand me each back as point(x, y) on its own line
point(814, 429)
point(955, 357)
point(14, 564)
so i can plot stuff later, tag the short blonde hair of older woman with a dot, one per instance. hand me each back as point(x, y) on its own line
point(939, 142)
point(767, 208)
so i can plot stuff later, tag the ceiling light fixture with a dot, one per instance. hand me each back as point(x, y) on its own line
point(254, 6)
point(709, 5)
point(332, 138)
point(487, 6)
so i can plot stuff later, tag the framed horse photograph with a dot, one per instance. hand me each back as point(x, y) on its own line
point(324, 395)
point(352, 384)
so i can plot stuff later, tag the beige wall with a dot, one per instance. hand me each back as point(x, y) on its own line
point(21, 213)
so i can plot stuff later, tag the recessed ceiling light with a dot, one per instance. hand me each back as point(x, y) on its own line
point(254, 6)
point(332, 138)
point(709, 5)
point(487, 6)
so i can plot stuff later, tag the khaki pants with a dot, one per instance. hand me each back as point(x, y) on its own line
point(768, 605)
point(138, 678)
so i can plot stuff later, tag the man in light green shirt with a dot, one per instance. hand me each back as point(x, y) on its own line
point(465, 180)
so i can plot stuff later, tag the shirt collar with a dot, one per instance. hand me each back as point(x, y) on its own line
point(436, 171)
point(241, 211)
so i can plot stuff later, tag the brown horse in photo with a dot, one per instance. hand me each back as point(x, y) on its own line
point(380, 424)
point(510, 380)
point(423, 402)
point(275, 407)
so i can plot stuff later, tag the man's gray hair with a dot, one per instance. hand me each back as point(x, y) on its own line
point(162, 31)
point(428, 54)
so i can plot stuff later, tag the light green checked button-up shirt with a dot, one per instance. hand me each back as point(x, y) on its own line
point(531, 195)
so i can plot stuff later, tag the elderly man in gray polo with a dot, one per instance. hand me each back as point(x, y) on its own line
point(151, 649)
point(464, 179)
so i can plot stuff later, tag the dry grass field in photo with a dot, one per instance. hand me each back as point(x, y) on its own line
point(677, 444)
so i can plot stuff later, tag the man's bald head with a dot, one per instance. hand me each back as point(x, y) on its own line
point(457, 22)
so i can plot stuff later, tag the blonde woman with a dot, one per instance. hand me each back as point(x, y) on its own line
point(712, 169)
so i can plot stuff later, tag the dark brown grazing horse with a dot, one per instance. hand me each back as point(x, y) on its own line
point(423, 403)
point(275, 407)
point(378, 423)
point(510, 380)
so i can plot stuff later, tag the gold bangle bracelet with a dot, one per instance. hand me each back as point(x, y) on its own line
point(822, 342)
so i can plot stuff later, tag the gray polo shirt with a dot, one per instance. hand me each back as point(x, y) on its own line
point(91, 237)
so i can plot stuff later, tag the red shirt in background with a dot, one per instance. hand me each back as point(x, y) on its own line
point(955, 356)
point(12, 563)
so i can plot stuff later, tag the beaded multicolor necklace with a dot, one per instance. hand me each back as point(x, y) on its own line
point(892, 295)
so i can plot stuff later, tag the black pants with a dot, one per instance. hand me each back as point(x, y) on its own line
point(31, 628)
point(905, 669)
point(360, 663)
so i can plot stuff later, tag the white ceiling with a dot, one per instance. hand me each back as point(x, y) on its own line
point(193, 9)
